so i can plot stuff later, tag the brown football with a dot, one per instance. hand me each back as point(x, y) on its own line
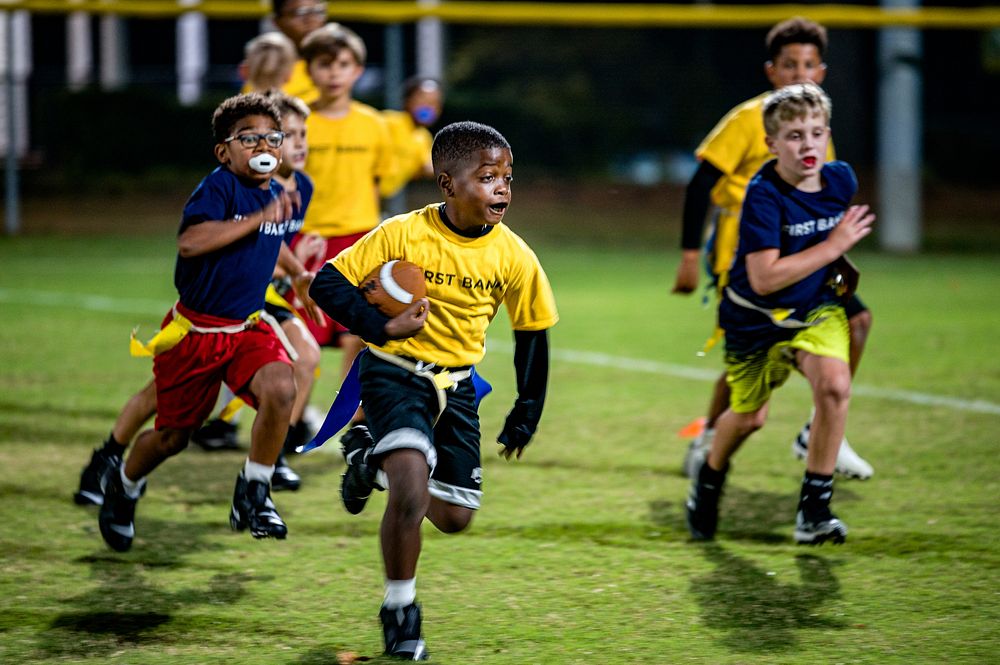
point(393, 286)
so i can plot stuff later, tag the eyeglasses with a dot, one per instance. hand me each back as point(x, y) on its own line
point(273, 139)
point(303, 12)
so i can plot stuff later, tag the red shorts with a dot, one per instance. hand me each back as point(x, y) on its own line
point(189, 375)
point(328, 336)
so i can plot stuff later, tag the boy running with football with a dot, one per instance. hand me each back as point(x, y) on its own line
point(416, 384)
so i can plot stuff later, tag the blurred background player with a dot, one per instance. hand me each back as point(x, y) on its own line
point(729, 157)
point(780, 310)
point(423, 99)
point(296, 19)
point(416, 379)
point(349, 153)
point(268, 62)
point(231, 235)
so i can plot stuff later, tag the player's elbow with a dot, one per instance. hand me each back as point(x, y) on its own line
point(760, 284)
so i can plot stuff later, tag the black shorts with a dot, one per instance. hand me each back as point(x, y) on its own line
point(854, 306)
point(401, 408)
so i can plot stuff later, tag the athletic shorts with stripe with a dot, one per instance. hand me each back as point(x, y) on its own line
point(754, 376)
point(401, 408)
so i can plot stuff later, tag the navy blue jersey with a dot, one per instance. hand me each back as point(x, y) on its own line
point(776, 215)
point(229, 282)
point(305, 188)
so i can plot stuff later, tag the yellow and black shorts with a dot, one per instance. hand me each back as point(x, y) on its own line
point(753, 377)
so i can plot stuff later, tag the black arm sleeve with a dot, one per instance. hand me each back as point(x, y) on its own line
point(696, 199)
point(335, 294)
point(531, 364)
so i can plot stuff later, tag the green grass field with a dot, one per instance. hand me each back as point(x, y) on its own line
point(580, 554)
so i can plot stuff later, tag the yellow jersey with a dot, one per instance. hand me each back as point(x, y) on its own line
point(299, 85)
point(467, 281)
point(411, 145)
point(347, 158)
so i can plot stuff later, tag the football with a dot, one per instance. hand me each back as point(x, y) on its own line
point(393, 286)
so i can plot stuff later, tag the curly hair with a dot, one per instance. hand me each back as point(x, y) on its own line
point(796, 30)
point(234, 109)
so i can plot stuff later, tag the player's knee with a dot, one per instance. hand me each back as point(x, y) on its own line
point(454, 521)
point(278, 388)
point(834, 388)
point(407, 503)
point(173, 441)
point(308, 358)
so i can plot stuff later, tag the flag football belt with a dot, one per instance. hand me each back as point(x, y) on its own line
point(441, 378)
point(779, 316)
point(171, 334)
point(349, 396)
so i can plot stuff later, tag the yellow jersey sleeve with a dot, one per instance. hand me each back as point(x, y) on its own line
point(467, 279)
point(737, 147)
point(411, 146)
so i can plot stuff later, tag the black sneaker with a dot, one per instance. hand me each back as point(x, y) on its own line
point(401, 630)
point(284, 478)
point(117, 516)
point(216, 434)
point(252, 507)
point(94, 477)
point(359, 479)
point(819, 526)
point(702, 505)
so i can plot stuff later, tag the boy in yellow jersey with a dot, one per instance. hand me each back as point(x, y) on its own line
point(423, 99)
point(349, 152)
point(296, 19)
point(781, 310)
point(419, 398)
point(730, 155)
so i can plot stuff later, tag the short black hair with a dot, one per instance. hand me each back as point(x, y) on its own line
point(234, 109)
point(796, 30)
point(455, 142)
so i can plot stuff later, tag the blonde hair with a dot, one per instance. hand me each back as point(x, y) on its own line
point(799, 100)
point(288, 104)
point(269, 59)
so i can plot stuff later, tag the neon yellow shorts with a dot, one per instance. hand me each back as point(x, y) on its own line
point(753, 378)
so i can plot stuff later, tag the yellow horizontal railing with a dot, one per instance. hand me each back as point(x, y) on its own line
point(561, 14)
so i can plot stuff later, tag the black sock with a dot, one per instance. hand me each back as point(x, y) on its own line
point(817, 489)
point(112, 447)
point(709, 476)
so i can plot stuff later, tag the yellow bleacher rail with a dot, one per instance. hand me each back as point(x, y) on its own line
point(560, 14)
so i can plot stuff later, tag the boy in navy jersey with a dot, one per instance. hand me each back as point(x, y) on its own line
point(231, 234)
point(781, 310)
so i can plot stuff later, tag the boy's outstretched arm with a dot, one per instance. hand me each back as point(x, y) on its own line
point(301, 279)
point(335, 294)
point(209, 236)
point(531, 365)
point(697, 198)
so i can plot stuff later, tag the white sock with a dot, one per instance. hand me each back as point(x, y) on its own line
point(400, 593)
point(133, 489)
point(255, 471)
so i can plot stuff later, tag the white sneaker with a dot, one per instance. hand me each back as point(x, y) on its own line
point(697, 452)
point(849, 463)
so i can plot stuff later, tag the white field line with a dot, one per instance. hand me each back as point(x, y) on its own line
point(590, 358)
